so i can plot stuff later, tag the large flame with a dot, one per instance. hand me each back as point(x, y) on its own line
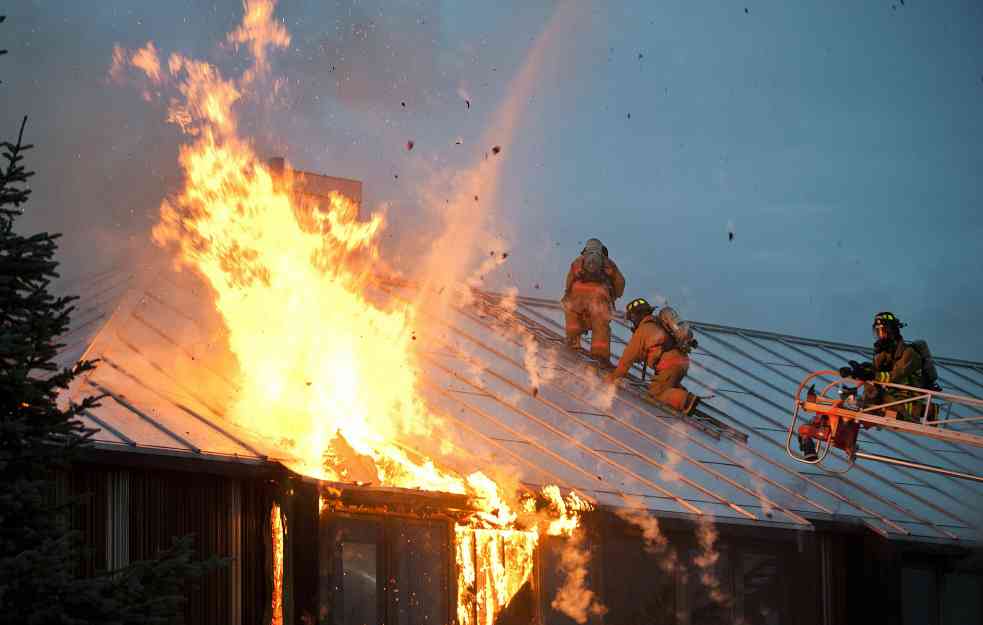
point(317, 361)
point(323, 370)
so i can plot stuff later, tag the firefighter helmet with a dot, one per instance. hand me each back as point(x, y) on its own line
point(636, 310)
point(888, 321)
point(594, 245)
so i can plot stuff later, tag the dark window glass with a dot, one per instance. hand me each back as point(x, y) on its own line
point(919, 598)
point(710, 589)
point(962, 599)
point(640, 586)
point(760, 588)
point(359, 583)
point(420, 593)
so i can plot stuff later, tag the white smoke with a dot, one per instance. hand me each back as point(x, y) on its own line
point(706, 560)
point(574, 598)
point(656, 542)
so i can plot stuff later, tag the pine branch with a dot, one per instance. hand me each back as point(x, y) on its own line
point(12, 179)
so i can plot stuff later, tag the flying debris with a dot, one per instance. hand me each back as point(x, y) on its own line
point(467, 104)
point(496, 149)
point(409, 145)
point(730, 236)
point(745, 10)
point(403, 104)
point(629, 115)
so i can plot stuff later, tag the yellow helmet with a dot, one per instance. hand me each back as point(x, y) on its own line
point(636, 310)
point(887, 320)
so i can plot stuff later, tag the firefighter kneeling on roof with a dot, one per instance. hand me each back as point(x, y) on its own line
point(663, 342)
point(594, 282)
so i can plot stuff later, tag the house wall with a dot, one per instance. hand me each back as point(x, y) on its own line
point(130, 513)
point(352, 565)
point(871, 579)
point(752, 575)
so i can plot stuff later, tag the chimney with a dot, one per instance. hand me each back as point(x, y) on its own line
point(277, 165)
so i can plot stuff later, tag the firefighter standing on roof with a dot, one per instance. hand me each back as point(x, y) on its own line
point(665, 349)
point(593, 283)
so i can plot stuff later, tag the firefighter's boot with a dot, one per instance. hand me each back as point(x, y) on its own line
point(808, 448)
point(692, 401)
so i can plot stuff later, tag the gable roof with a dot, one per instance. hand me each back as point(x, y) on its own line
point(511, 395)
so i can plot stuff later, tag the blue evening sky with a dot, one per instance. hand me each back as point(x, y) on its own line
point(841, 142)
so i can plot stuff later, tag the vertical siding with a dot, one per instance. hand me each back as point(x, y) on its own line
point(133, 514)
point(257, 589)
point(89, 517)
point(117, 519)
point(169, 505)
point(305, 543)
point(235, 551)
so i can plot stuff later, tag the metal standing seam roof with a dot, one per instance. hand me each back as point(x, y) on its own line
point(566, 427)
point(103, 291)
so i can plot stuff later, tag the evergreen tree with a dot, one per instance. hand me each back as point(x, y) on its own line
point(40, 435)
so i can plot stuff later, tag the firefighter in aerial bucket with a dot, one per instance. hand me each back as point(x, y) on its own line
point(663, 342)
point(593, 284)
point(896, 362)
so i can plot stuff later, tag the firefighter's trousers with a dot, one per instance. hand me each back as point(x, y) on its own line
point(911, 411)
point(588, 307)
point(667, 385)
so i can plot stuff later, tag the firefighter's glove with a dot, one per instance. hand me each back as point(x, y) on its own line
point(862, 371)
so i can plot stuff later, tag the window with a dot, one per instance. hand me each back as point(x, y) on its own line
point(420, 594)
point(919, 596)
point(378, 570)
point(359, 585)
point(351, 580)
point(962, 599)
point(760, 588)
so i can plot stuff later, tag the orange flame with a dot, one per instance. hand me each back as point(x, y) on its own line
point(323, 371)
point(277, 530)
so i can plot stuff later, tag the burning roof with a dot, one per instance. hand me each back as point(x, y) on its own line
point(561, 428)
point(273, 335)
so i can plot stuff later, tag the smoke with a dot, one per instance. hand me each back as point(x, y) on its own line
point(656, 543)
point(756, 482)
point(668, 471)
point(538, 372)
point(602, 393)
point(706, 560)
point(468, 247)
point(574, 598)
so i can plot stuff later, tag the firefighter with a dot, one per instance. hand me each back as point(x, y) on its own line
point(655, 345)
point(593, 284)
point(895, 362)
